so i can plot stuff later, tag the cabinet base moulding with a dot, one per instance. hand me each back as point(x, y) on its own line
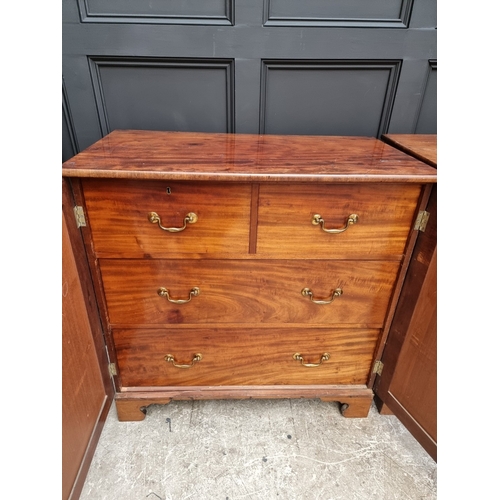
point(355, 401)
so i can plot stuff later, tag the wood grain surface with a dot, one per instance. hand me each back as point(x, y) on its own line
point(243, 356)
point(421, 146)
point(250, 253)
point(280, 219)
point(245, 157)
point(385, 214)
point(247, 292)
point(118, 214)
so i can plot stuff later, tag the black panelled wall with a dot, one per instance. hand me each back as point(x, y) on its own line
point(340, 67)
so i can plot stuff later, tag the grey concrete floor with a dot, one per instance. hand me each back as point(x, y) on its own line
point(258, 449)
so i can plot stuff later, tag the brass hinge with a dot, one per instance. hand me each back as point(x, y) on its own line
point(378, 367)
point(112, 369)
point(79, 216)
point(421, 222)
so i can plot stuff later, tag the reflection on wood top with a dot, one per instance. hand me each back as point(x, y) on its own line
point(245, 157)
point(421, 146)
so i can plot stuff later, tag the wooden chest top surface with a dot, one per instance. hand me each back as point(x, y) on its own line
point(134, 154)
point(421, 146)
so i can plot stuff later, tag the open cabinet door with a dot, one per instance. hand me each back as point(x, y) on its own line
point(87, 391)
point(407, 386)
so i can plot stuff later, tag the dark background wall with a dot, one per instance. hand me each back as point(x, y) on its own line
point(339, 67)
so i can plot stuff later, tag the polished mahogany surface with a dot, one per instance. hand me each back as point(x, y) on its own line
point(421, 146)
point(244, 357)
point(267, 246)
point(118, 210)
point(385, 213)
point(247, 292)
point(245, 157)
point(281, 222)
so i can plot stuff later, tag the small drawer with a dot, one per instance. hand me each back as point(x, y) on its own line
point(154, 292)
point(363, 221)
point(127, 218)
point(222, 356)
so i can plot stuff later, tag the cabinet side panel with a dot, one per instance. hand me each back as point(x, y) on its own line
point(86, 387)
point(82, 386)
point(408, 385)
point(414, 382)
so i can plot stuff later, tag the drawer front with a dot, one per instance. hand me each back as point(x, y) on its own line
point(118, 213)
point(243, 356)
point(384, 212)
point(245, 292)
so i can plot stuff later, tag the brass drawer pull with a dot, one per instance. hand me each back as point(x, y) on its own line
point(317, 219)
point(169, 358)
point(298, 357)
point(190, 218)
point(194, 292)
point(307, 292)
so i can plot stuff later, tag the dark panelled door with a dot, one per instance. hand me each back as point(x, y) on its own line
point(340, 67)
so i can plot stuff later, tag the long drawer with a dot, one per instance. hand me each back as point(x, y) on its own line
point(223, 356)
point(382, 218)
point(120, 214)
point(147, 292)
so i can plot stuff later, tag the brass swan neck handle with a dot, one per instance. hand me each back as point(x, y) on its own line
point(318, 220)
point(190, 218)
point(307, 292)
point(164, 292)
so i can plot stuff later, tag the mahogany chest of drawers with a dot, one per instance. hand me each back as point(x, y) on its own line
point(245, 266)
